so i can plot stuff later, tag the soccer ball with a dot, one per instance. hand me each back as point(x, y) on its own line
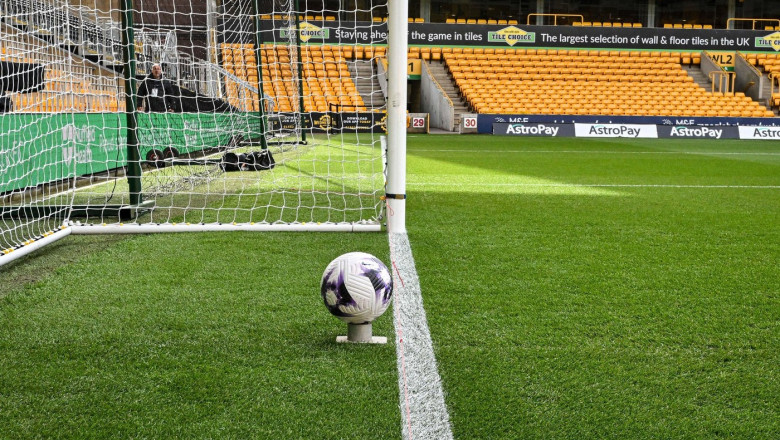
point(356, 287)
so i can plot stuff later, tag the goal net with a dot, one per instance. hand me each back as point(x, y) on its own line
point(155, 115)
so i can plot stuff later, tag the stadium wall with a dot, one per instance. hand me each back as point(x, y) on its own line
point(646, 131)
point(92, 143)
point(485, 122)
point(435, 102)
point(748, 79)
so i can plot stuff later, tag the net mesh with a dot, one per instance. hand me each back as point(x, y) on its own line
point(304, 84)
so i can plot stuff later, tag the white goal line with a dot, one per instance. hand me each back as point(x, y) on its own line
point(693, 153)
point(591, 185)
point(423, 411)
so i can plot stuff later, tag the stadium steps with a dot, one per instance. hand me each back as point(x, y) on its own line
point(704, 82)
point(698, 77)
point(366, 83)
point(439, 72)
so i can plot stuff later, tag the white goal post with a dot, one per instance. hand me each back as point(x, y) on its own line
point(122, 116)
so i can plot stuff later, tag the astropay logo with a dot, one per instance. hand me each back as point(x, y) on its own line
point(766, 133)
point(696, 132)
point(649, 131)
point(613, 130)
point(536, 130)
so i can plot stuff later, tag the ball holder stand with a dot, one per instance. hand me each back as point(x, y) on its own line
point(361, 334)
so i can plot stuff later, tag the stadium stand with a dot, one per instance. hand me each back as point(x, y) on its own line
point(490, 80)
point(327, 80)
point(72, 84)
point(586, 82)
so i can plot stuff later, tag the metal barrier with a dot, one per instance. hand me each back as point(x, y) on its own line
point(721, 80)
point(774, 90)
point(752, 20)
point(555, 17)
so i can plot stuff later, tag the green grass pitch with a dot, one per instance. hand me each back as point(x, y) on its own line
point(574, 288)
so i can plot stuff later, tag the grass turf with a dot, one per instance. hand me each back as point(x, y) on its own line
point(627, 311)
point(211, 336)
point(575, 288)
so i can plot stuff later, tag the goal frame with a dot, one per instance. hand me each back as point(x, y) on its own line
point(394, 198)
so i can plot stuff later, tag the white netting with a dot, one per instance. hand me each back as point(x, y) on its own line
point(233, 83)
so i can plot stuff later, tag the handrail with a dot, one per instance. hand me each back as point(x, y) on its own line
point(753, 20)
point(555, 20)
point(774, 80)
point(729, 77)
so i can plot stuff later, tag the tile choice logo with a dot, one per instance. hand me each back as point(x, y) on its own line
point(771, 40)
point(308, 32)
point(511, 35)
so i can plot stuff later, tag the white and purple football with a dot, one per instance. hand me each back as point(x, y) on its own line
point(356, 287)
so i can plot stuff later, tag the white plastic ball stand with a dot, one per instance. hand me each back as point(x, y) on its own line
point(361, 334)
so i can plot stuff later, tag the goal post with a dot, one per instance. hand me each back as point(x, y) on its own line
point(269, 115)
point(396, 115)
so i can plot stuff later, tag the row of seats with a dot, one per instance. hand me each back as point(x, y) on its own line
point(606, 24)
point(771, 65)
point(479, 21)
point(578, 55)
point(64, 91)
point(686, 26)
point(346, 52)
point(437, 53)
point(300, 17)
point(769, 62)
point(591, 82)
point(571, 97)
point(76, 102)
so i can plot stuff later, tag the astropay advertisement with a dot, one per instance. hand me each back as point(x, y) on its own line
point(758, 132)
point(616, 130)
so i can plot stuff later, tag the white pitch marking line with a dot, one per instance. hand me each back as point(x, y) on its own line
point(423, 411)
point(694, 153)
point(72, 190)
point(109, 180)
point(593, 185)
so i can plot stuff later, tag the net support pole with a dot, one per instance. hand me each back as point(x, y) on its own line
point(397, 42)
point(301, 108)
point(259, 57)
point(133, 154)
